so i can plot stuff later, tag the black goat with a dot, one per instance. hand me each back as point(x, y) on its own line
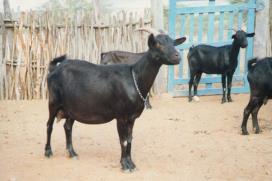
point(122, 57)
point(96, 94)
point(216, 60)
point(260, 82)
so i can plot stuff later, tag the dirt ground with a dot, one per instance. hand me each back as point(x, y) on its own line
point(176, 140)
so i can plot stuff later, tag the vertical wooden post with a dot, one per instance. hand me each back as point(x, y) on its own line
point(1, 56)
point(172, 32)
point(262, 43)
point(97, 11)
point(270, 17)
point(157, 23)
point(210, 33)
point(7, 11)
point(7, 36)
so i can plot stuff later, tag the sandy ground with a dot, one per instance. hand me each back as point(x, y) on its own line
point(176, 140)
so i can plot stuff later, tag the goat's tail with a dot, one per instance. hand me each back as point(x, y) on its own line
point(251, 63)
point(55, 62)
point(191, 51)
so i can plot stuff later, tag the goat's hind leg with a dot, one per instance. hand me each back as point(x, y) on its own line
point(196, 82)
point(247, 111)
point(254, 114)
point(68, 126)
point(52, 113)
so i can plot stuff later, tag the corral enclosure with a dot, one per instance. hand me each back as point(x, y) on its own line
point(34, 38)
point(176, 140)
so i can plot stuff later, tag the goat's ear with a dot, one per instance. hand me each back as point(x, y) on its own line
point(233, 36)
point(179, 41)
point(250, 34)
point(151, 41)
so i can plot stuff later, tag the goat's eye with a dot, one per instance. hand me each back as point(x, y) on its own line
point(158, 45)
point(161, 47)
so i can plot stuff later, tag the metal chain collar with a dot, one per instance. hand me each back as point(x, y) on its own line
point(137, 88)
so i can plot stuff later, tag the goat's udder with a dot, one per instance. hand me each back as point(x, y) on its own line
point(60, 115)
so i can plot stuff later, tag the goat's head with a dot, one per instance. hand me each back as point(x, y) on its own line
point(240, 37)
point(162, 47)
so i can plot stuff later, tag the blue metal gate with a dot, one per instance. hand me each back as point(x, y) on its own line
point(209, 24)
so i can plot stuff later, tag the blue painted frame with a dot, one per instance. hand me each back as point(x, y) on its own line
point(196, 15)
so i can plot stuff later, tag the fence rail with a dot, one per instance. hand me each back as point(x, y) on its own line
point(29, 44)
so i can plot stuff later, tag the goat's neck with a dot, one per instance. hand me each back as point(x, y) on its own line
point(146, 70)
point(235, 48)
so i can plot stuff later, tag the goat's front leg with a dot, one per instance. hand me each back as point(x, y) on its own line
point(229, 82)
point(68, 126)
point(247, 111)
point(224, 88)
point(125, 128)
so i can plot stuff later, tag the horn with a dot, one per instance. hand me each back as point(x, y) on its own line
point(149, 30)
point(161, 31)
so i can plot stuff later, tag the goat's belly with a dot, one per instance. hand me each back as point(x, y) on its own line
point(94, 121)
point(217, 71)
point(91, 118)
point(212, 72)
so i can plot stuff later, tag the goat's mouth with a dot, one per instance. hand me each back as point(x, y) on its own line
point(175, 61)
point(244, 46)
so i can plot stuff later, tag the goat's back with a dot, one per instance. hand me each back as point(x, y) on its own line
point(260, 77)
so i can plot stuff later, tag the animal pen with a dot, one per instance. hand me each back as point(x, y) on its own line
point(34, 38)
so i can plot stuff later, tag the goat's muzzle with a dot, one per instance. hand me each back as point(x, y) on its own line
point(244, 45)
point(176, 58)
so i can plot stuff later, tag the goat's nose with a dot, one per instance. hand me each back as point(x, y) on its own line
point(176, 55)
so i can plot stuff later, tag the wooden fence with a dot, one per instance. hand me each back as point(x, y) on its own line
point(29, 44)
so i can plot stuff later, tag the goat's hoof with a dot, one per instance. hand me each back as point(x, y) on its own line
point(230, 99)
point(72, 154)
point(245, 132)
point(48, 153)
point(257, 131)
point(223, 100)
point(127, 164)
